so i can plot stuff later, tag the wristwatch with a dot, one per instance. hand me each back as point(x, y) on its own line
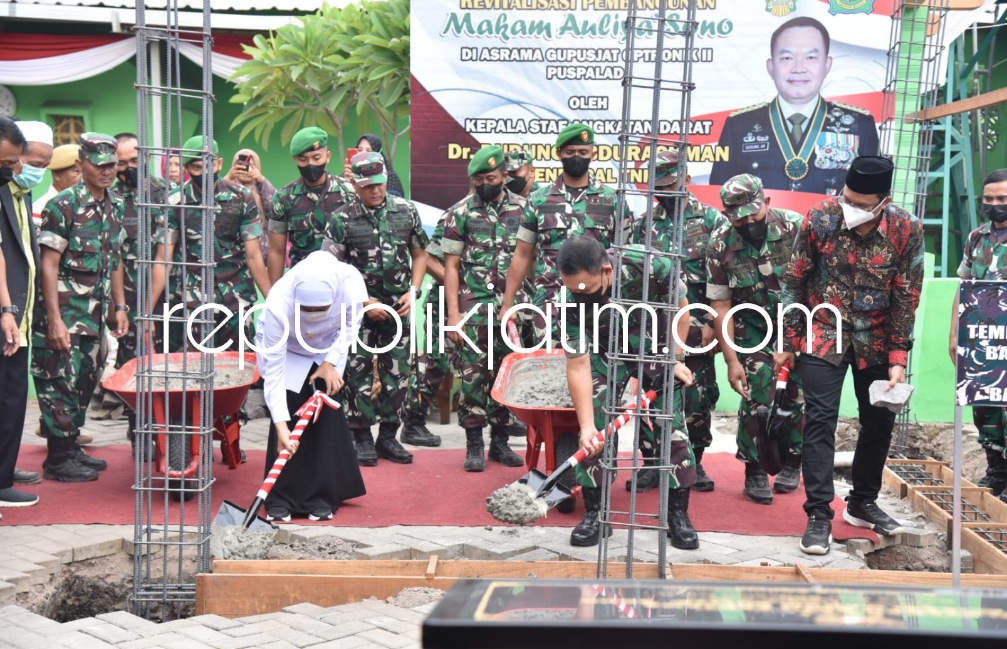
point(12, 309)
point(122, 307)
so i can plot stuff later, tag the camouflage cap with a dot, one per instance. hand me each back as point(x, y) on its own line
point(195, 143)
point(575, 133)
point(98, 148)
point(666, 168)
point(486, 159)
point(368, 168)
point(518, 158)
point(311, 138)
point(742, 196)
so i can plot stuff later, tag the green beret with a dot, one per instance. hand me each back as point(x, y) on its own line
point(311, 138)
point(486, 159)
point(576, 133)
point(193, 144)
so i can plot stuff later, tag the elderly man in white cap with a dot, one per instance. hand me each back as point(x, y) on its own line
point(312, 316)
point(35, 160)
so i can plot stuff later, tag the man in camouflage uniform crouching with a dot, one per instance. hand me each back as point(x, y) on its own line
point(82, 286)
point(587, 273)
point(479, 240)
point(381, 236)
point(745, 264)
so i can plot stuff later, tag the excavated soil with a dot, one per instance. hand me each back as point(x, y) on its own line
point(928, 440)
point(932, 558)
point(539, 383)
point(413, 597)
point(322, 547)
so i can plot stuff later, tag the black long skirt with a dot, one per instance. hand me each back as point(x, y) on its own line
point(324, 471)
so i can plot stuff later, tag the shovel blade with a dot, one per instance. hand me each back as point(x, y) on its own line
point(553, 496)
point(230, 514)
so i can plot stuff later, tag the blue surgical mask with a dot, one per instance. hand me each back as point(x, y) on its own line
point(30, 176)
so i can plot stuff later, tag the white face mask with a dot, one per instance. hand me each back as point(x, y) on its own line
point(855, 216)
point(314, 316)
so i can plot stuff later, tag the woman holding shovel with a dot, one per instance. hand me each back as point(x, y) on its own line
point(311, 318)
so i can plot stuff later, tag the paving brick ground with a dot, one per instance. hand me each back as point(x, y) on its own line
point(32, 555)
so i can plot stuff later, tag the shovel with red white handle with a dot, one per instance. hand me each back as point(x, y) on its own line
point(230, 513)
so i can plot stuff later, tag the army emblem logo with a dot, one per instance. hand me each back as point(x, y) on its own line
point(492, 162)
point(837, 7)
point(583, 136)
point(780, 8)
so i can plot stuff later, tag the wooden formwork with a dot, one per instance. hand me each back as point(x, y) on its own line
point(942, 474)
point(243, 588)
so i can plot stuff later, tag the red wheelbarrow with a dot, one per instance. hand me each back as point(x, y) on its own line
point(556, 429)
point(168, 404)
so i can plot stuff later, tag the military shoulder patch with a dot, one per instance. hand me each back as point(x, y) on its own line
point(749, 109)
point(851, 108)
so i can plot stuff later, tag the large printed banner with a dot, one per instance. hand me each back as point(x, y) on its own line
point(981, 362)
point(792, 105)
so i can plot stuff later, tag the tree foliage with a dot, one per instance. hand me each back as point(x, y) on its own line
point(333, 62)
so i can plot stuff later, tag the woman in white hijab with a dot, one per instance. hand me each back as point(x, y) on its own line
point(311, 318)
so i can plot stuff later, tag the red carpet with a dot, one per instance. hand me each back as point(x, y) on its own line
point(432, 491)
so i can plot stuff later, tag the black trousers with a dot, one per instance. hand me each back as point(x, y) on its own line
point(13, 400)
point(823, 387)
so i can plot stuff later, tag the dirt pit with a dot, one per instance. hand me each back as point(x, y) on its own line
point(932, 558)
point(539, 383)
point(89, 588)
point(413, 597)
point(322, 547)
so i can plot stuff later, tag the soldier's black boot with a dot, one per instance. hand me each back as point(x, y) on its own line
point(996, 472)
point(588, 531)
point(789, 477)
point(500, 451)
point(388, 447)
point(474, 449)
point(415, 432)
point(703, 481)
point(61, 463)
point(364, 444)
point(680, 530)
point(646, 479)
point(87, 460)
point(757, 484)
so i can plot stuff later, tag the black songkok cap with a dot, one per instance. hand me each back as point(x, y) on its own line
point(870, 175)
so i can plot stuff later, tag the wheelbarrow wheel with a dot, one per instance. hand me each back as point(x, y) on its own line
point(179, 456)
point(566, 445)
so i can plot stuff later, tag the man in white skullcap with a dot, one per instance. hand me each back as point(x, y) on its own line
point(312, 316)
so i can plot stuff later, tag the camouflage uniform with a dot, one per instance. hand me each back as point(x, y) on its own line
point(433, 365)
point(683, 462)
point(737, 272)
point(699, 223)
point(88, 234)
point(378, 242)
point(235, 222)
point(985, 253)
point(484, 236)
point(301, 213)
point(551, 216)
point(159, 192)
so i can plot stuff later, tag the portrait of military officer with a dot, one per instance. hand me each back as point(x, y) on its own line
point(798, 141)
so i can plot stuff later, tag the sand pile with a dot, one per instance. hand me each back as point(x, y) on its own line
point(516, 503)
point(539, 383)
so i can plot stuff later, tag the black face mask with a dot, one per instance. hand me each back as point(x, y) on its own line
point(995, 213)
point(517, 184)
point(598, 297)
point(6, 174)
point(488, 192)
point(197, 181)
point(576, 166)
point(669, 203)
point(754, 232)
point(130, 177)
point(312, 173)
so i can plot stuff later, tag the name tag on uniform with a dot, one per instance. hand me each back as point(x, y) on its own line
point(755, 147)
